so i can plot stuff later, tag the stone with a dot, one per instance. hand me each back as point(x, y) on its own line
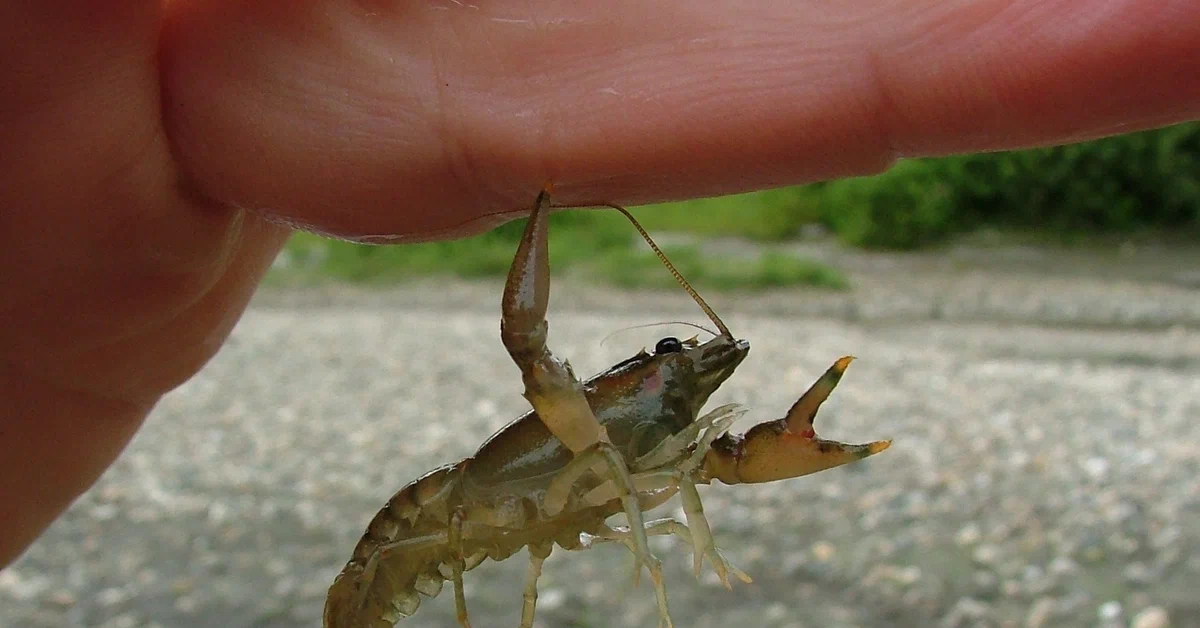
point(1040, 612)
point(1151, 617)
point(1110, 611)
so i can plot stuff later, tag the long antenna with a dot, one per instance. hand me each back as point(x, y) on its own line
point(645, 325)
point(666, 262)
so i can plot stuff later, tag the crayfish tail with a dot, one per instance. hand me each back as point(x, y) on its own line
point(356, 599)
point(399, 558)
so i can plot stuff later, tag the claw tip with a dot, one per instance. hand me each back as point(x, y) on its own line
point(878, 446)
point(843, 362)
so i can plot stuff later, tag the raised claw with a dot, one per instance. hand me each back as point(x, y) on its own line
point(787, 447)
point(556, 395)
point(550, 386)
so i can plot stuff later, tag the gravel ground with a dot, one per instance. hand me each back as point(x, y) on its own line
point(1043, 474)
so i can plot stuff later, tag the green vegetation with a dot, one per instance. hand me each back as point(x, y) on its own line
point(767, 216)
point(578, 236)
point(1121, 185)
point(1118, 185)
point(599, 245)
point(770, 270)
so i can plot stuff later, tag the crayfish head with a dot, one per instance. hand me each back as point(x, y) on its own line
point(714, 361)
point(700, 368)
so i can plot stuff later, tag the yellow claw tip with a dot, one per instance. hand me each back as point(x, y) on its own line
point(843, 362)
point(878, 446)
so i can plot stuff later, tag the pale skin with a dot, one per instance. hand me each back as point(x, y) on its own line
point(139, 144)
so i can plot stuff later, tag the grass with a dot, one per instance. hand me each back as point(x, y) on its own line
point(769, 270)
point(598, 244)
point(766, 216)
point(577, 236)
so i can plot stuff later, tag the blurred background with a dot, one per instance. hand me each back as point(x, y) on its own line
point(1028, 331)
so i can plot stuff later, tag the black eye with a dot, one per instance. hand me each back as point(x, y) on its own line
point(670, 344)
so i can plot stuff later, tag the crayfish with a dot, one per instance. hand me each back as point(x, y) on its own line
point(624, 441)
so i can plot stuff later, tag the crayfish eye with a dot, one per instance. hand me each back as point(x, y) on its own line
point(670, 344)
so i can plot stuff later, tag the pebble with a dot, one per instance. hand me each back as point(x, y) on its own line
point(112, 596)
point(253, 481)
point(186, 604)
point(965, 612)
point(1138, 573)
point(1040, 612)
point(987, 584)
point(551, 599)
point(1096, 467)
point(62, 598)
point(1063, 566)
point(1110, 611)
point(968, 534)
point(986, 554)
point(1151, 617)
point(823, 551)
point(21, 586)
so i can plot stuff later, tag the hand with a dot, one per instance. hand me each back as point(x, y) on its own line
point(144, 143)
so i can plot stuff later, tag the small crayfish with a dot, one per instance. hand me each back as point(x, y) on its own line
point(625, 441)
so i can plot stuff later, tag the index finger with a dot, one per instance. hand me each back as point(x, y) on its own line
point(428, 119)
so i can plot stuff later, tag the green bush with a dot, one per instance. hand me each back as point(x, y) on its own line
point(908, 206)
point(1148, 180)
point(1114, 185)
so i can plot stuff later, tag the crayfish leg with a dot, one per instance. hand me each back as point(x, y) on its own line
point(604, 460)
point(537, 556)
point(457, 567)
point(695, 533)
point(787, 447)
point(625, 536)
point(703, 543)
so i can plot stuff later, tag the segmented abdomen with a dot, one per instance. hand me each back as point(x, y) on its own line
point(400, 557)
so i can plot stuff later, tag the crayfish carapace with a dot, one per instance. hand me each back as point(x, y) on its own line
point(626, 440)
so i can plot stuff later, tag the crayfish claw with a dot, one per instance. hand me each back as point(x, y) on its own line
point(802, 414)
point(787, 447)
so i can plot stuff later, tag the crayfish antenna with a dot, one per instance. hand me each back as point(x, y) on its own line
point(662, 257)
point(787, 447)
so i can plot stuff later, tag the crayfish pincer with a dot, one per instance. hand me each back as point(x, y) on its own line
point(624, 441)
